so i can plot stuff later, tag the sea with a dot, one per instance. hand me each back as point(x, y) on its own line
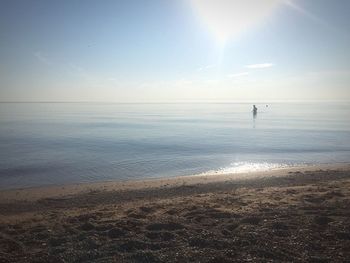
point(45, 144)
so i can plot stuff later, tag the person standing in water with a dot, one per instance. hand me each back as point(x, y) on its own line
point(255, 110)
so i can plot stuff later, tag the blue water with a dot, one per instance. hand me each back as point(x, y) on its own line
point(62, 143)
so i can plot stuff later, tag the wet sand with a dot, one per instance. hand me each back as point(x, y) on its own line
point(300, 214)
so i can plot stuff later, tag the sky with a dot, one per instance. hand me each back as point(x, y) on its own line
point(174, 51)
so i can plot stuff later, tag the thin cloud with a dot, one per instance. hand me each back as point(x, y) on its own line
point(205, 67)
point(184, 82)
point(236, 75)
point(42, 58)
point(260, 66)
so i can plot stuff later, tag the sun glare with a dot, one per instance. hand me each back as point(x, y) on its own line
point(227, 18)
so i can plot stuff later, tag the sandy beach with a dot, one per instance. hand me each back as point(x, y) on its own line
point(299, 214)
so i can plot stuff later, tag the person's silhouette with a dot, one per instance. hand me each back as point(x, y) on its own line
point(255, 110)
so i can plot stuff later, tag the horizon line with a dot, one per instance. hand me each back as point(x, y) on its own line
point(184, 102)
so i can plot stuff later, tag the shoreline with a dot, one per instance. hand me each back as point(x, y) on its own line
point(58, 191)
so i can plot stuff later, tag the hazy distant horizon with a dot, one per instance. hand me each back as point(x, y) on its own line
point(191, 101)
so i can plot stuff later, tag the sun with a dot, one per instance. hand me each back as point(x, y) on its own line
point(227, 18)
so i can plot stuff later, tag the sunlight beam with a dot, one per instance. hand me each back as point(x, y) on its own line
point(227, 18)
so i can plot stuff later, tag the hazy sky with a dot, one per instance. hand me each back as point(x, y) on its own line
point(174, 50)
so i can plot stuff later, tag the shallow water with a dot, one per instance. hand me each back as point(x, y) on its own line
point(62, 143)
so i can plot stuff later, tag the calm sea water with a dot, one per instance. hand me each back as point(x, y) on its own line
point(62, 143)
